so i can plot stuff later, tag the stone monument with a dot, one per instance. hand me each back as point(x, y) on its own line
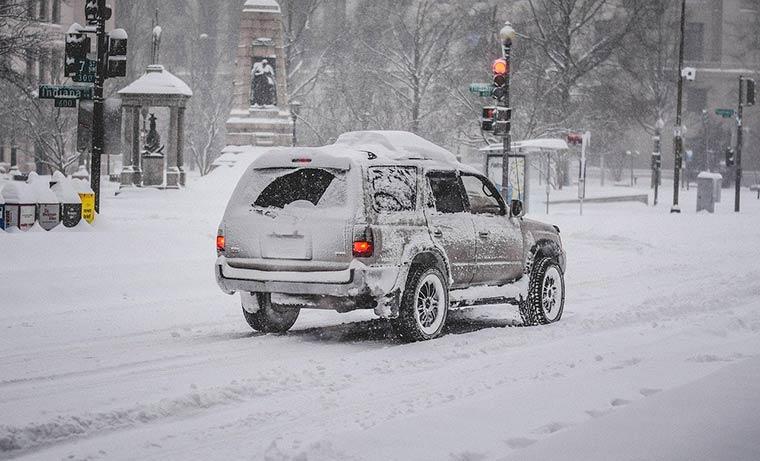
point(148, 165)
point(260, 115)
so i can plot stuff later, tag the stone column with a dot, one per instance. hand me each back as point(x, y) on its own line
point(136, 160)
point(127, 172)
point(172, 170)
point(181, 145)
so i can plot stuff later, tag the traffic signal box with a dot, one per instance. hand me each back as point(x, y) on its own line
point(730, 157)
point(77, 47)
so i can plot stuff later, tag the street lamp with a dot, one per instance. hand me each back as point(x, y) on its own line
point(507, 35)
point(295, 110)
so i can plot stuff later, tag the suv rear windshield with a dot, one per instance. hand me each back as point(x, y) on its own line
point(305, 187)
point(393, 188)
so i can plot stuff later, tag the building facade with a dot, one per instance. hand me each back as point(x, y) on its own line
point(722, 42)
point(43, 64)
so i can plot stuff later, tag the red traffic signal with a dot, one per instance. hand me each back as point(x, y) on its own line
point(500, 67)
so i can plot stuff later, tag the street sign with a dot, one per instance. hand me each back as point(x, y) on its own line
point(86, 71)
point(66, 102)
point(481, 89)
point(62, 91)
point(725, 113)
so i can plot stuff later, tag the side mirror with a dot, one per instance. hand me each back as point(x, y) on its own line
point(516, 209)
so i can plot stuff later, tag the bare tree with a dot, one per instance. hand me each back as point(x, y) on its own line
point(205, 135)
point(416, 53)
point(20, 34)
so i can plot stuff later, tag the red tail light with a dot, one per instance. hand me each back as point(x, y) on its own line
point(363, 249)
point(220, 243)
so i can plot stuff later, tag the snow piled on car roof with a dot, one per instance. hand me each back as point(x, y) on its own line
point(396, 145)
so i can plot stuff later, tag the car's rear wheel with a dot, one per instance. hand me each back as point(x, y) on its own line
point(546, 294)
point(424, 306)
point(270, 318)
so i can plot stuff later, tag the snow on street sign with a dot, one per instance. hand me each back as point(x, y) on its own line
point(725, 113)
point(481, 89)
point(63, 91)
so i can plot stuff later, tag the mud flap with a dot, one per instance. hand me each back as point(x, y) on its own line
point(388, 306)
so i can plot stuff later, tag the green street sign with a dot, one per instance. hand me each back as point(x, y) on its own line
point(67, 102)
point(725, 113)
point(66, 91)
point(481, 89)
point(86, 71)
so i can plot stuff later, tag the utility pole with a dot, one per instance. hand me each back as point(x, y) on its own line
point(678, 141)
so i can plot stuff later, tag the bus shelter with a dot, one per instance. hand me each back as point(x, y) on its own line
point(519, 165)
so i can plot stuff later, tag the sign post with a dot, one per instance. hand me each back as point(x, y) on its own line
point(582, 170)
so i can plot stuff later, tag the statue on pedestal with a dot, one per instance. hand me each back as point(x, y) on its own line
point(153, 140)
point(263, 84)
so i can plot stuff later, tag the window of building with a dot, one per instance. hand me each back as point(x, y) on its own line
point(694, 37)
point(43, 10)
point(56, 13)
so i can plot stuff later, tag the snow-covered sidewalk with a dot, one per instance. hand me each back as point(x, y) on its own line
point(117, 344)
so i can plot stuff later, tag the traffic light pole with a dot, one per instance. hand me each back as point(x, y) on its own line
point(98, 130)
point(507, 138)
point(678, 141)
point(739, 142)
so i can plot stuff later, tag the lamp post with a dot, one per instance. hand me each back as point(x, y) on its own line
point(295, 110)
point(705, 135)
point(678, 135)
point(507, 35)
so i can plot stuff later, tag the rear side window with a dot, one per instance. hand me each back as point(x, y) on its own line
point(393, 188)
point(316, 187)
point(447, 193)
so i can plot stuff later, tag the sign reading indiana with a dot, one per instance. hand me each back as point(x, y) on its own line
point(66, 91)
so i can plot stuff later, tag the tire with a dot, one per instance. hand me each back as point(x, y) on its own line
point(424, 305)
point(271, 318)
point(546, 294)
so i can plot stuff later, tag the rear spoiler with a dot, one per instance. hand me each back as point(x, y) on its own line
point(305, 159)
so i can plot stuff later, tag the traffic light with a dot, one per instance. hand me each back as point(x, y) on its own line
point(730, 157)
point(77, 47)
point(502, 120)
point(117, 53)
point(91, 12)
point(500, 70)
point(487, 118)
point(656, 161)
point(750, 91)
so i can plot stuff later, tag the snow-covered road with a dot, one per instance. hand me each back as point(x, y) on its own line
point(117, 344)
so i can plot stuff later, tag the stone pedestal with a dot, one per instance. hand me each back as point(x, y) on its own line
point(153, 170)
point(261, 46)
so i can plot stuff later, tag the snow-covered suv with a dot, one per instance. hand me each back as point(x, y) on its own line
point(385, 221)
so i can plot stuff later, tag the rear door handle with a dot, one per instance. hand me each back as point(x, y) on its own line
point(484, 234)
point(437, 233)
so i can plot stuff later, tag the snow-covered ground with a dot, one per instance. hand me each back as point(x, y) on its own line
point(116, 343)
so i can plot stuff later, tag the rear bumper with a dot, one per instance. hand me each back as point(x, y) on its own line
point(357, 280)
